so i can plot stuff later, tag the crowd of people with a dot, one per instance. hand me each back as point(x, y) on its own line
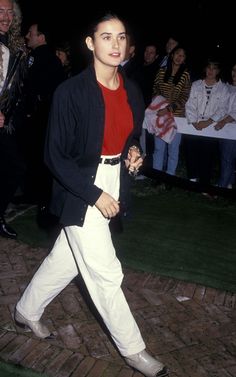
point(204, 98)
point(72, 143)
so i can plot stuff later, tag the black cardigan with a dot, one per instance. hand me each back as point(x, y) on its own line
point(74, 143)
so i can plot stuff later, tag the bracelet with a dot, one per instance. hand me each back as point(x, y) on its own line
point(134, 147)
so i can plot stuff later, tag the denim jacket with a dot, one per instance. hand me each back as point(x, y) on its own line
point(198, 108)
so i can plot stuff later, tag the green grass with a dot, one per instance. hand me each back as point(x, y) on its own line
point(182, 235)
point(172, 233)
point(29, 232)
point(10, 370)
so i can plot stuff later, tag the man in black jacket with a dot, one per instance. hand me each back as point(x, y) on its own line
point(45, 73)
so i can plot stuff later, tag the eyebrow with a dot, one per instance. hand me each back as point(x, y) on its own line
point(106, 33)
point(5, 9)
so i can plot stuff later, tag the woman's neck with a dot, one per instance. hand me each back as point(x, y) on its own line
point(108, 77)
point(210, 82)
point(175, 68)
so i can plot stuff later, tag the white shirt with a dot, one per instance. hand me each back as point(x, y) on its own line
point(4, 51)
point(232, 101)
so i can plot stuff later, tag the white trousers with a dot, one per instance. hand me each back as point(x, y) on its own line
point(100, 268)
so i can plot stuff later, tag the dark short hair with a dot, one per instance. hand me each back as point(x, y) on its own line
point(213, 61)
point(43, 29)
point(102, 17)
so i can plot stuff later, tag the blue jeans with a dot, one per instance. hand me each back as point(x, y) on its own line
point(166, 154)
point(227, 162)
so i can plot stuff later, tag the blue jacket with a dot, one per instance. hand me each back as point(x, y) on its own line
point(74, 143)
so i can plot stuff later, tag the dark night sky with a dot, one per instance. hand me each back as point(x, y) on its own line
point(201, 24)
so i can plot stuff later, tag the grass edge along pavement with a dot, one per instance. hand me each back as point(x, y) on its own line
point(172, 233)
point(12, 370)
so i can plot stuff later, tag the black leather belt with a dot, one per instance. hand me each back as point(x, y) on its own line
point(109, 161)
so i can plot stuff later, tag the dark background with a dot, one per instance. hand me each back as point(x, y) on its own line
point(204, 27)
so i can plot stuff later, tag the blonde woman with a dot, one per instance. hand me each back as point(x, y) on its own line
point(12, 70)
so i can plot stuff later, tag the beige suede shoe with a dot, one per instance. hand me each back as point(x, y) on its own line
point(38, 328)
point(147, 364)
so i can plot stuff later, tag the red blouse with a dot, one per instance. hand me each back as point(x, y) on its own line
point(118, 119)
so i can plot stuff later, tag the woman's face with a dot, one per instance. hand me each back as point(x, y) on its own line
point(109, 43)
point(62, 56)
point(212, 71)
point(179, 56)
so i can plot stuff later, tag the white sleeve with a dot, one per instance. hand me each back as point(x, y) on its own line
point(232, 106)
point(191, 106)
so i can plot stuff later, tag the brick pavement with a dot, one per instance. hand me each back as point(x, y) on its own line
point(189, 327)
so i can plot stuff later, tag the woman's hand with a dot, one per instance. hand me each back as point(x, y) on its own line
point(107, 205)
point(219, 125)
point(203, 124)
point(134, 160)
